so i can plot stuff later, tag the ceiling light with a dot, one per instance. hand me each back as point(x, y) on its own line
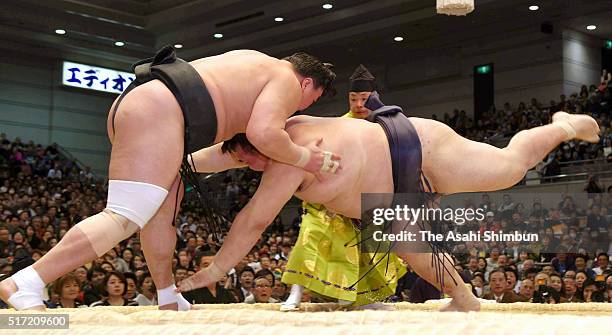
point(119, 43)
point(178, 46)
point(591, 27)
point(60, 31)
point(279, 19)
point(398, 38)
point(218, 35)
point(534, 7)
point(328, 6)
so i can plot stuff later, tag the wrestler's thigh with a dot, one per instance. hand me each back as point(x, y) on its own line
point(455, 164)
point(148, 137)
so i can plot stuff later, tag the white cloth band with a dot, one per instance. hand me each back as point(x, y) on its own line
point(169, 295)
point(334, 167)
point(29, 289)
point(328, 163)
point(135, 200)
point(304, 158)
point(571, 133)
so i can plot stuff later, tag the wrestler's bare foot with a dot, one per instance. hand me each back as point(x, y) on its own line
point(8, 288)
point(586, 127)
point(467, 305)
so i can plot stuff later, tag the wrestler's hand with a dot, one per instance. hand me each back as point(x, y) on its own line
point(319, 158)
point(202, 278)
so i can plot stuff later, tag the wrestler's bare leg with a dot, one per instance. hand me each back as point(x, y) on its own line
point(478, 167)
point(158, 240)
point(147, 147)
point(455, 164)
point(463, 299)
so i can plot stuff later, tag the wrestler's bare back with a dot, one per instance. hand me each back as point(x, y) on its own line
point(234, 81)
point(365, 147)
point(361, 144)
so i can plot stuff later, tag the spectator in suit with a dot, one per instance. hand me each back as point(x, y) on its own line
point(498, 282)
point(526, 290)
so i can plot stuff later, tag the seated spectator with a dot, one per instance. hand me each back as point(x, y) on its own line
point(526, 290)
point(561, 263)
point(180, 273)
point(117, 262)
point(262, 293)
point(492, 261)
point(94, 289)
point(137, 263)
point(512, 276)
point(556, 282)
point(592, 293)
point(569, 293)
point(548, 269)
point(127, 254)
point(502, 261)
point(55, 172)
point(279, 291)
point(148, 292)
point(131, 288)
point(603, 263)
point(570, 274)
point(483, 267)
point(580, 262)
point(285, 250)
point(581, 277)
point(54, 298)
point(596, 221)
point(108, 267)
point(526, 265)
point(478, 283)
point(498, 283)
point(114, 289)
point(472, 265)
point(266, 273)
point(67, 288)
point(264, 261)
point(184, 259)
point(531, 274)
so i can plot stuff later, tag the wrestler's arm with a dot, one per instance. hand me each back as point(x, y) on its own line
point(212, 159)
point(278, 184)
point(266, 127)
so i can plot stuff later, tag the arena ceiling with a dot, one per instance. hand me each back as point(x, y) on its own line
point(352, 28)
